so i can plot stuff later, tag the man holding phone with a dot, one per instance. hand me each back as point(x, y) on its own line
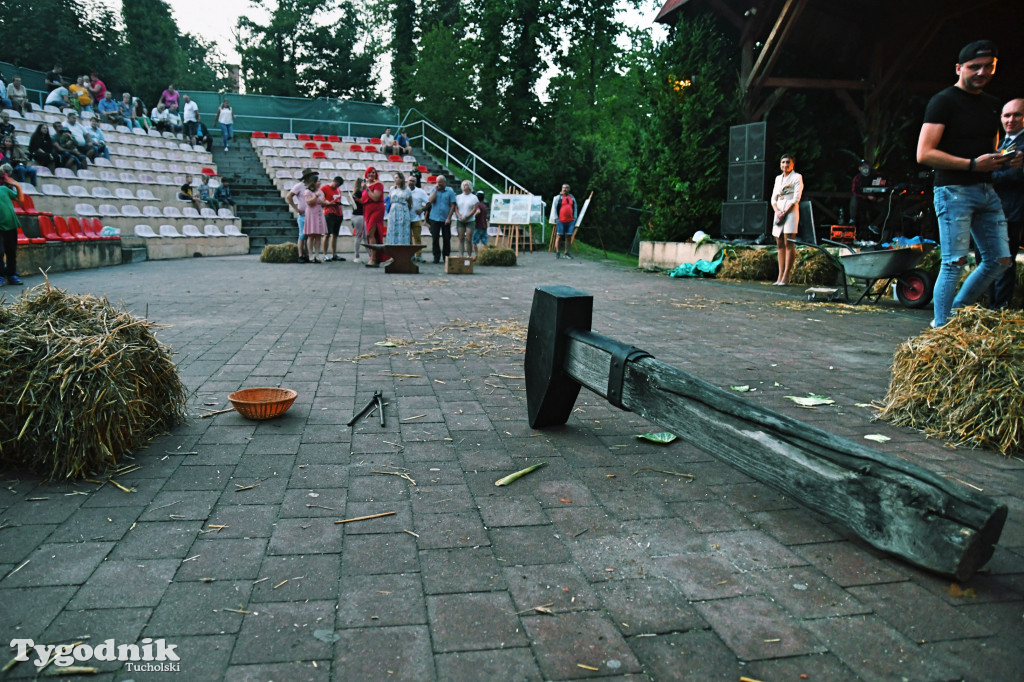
point(958, 139)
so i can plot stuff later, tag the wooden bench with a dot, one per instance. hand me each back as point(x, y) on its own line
point(402, 255)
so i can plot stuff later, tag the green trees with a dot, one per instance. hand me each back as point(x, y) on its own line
point(82, 36)
point(141, 50)
point(684, 139)
point(294, 55)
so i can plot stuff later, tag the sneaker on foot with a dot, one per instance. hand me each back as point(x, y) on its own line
point(14, 279)
point(225, 148)
point(337, 259)
point(388, 262)
point(566, 255)
point(558, 254)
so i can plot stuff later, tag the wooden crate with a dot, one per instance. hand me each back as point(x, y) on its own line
point(458, 266)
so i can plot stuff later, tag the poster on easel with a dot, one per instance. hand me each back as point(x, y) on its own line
point(516, 209)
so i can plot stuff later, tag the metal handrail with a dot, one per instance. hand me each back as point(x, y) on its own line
point(447, 146)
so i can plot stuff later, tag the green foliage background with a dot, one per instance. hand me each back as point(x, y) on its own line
point(549, 91)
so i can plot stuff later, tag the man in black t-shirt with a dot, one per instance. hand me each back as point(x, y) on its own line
point(958, 139)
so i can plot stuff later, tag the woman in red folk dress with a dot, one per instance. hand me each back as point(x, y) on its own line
point(373, 213)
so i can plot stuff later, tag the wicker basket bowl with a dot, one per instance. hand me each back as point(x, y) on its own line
point(262, 403)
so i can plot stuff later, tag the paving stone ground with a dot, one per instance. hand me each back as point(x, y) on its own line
point(233, 553)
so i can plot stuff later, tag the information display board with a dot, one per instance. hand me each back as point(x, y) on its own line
point(516, 209)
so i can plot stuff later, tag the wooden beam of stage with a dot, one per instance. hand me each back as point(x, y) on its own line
point(814, 83)
point(772, 48)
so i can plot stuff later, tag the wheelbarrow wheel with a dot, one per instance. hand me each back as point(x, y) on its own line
point(914, 289)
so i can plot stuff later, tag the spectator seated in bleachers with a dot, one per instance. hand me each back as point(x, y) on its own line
point(107, 109)
point(97, 88)
point(125, 110)
point(55, 78)
point(5, 103)
point(6, 127)
point(203, 136)
point(206, 193)
point(98, 139)
point(174, 119)
point(402, 144)
point(18, 94)
point(223, 195)
point(387, 141)
point(41, 148)
point(139, 114)
point(78, 92)
point(186, 193)
point(159, 118)
point(64, 145)
point(81, 135)
point(12, 153)
point(58, 97)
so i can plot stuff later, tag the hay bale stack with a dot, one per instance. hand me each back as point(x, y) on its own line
point(280, 253)
point(962, 382)
point(813, 268)
point(81, 384)
point(496, 255)
point(752, 264)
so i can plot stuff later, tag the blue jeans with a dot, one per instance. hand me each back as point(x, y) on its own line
point(227, 132)
point(964, 211)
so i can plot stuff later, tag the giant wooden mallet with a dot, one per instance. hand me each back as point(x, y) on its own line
point(892, 504)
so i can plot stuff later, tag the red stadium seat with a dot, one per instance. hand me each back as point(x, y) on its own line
point(273, 136)
point(76, 229)
point(304, 137)
point(22, 239)
point(319, 155)
point(431, 178)
point(327, 146)
point(93, 226)
point(395, 158)
point(319, 138)
point(355, 148)
point(209, 172)
point(258, 135)
point(333, 138)
point(421, 169)
point(370, 148)
point(375, 140)
point(309, 145)
point(49, 233)
point(26, 206)
point(65, 232)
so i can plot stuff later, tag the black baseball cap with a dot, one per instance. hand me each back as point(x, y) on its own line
point(979, 48)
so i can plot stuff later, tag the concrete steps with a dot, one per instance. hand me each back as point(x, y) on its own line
point(263, 212)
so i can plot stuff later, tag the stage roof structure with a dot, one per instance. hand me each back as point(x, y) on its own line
point(868, 52)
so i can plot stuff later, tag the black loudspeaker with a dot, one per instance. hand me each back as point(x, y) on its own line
point(745, 218)
point(746, 182)
point(747, 143)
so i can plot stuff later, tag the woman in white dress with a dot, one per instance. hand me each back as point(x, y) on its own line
point(789, 186)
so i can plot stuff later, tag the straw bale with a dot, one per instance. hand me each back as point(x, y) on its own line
point(752, 264)
point(280, 253)
point(813, 268)
point(963, 382)
point(496, 255)
point(81, 384)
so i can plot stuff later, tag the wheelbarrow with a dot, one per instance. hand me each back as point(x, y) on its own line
point(913, 286)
